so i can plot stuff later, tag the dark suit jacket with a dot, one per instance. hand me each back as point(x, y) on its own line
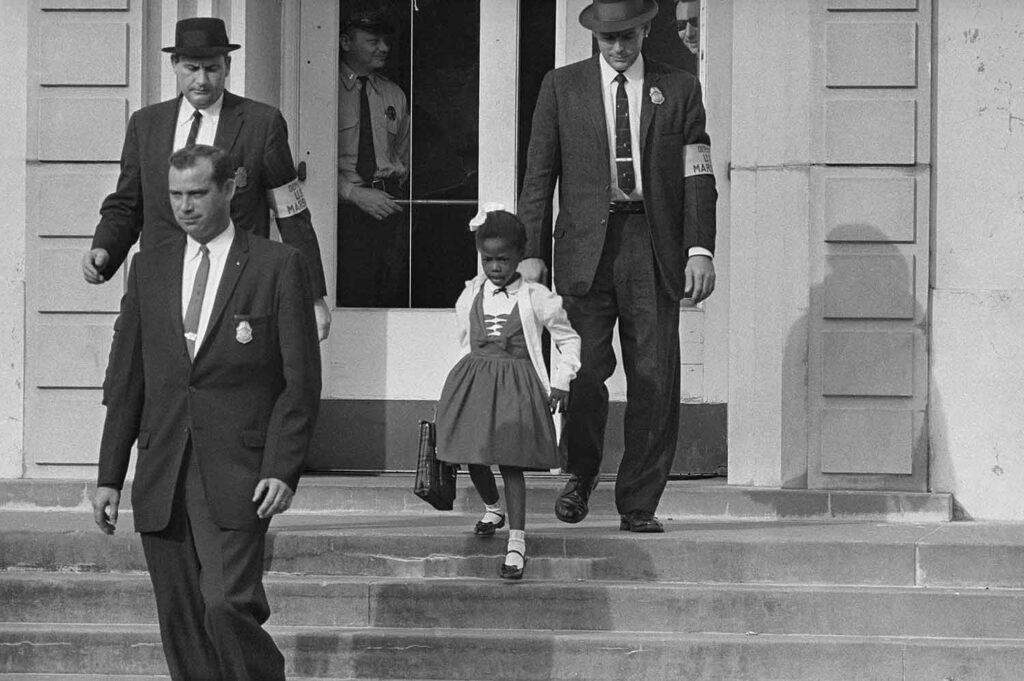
point(254, 134)
point(569, 144)
point(249, 408)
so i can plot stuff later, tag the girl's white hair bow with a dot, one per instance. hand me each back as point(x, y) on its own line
point(481, 215)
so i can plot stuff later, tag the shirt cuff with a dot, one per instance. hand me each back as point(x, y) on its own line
point(698, 250)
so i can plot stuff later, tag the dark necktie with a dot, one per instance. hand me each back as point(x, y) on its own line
point(366, 160)
point(193, 132)
point(623, 141)
point(195, 302)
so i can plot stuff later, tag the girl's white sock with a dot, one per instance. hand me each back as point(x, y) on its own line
point(516, 542)
point(493, 513)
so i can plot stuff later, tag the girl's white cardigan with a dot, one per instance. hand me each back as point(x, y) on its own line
point(538, 308)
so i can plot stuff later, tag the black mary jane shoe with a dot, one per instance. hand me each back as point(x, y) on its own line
point(483, 529)
point(511, 571)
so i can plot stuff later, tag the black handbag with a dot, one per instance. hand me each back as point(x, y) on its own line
point(435, 480)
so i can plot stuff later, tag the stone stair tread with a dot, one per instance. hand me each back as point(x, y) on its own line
point(670, 586)
point(466, 603)
point(835, 552)
point(155, 677)
point(344, 653)
point(704, 498)
point(125, 632)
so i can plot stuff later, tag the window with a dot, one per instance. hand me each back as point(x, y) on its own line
point(421, 258)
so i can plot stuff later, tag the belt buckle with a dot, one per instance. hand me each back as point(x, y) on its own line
point(378, 184)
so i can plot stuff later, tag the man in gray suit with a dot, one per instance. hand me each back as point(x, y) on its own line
point(625, 140)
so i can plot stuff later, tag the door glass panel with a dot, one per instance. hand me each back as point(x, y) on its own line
point(422, 258)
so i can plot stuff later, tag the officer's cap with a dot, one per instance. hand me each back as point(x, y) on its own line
point(370, 20)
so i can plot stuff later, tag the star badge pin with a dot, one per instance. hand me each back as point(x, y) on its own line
point(656, 96)
point(243, 332)
point(241, 178)
point(390, 113)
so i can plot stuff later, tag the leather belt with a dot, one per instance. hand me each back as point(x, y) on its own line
point(626, 207)
point(387, 184)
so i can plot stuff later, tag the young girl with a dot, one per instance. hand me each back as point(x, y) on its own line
point(497, 403)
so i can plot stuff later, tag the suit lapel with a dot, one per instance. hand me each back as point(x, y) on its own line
point(592, 92)
point(168, 290)
point(234, 265)
point(231, 120)
point(163, 135)
point(652, 77)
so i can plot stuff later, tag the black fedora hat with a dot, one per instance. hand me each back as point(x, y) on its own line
point(612, 16)
point(200, 37)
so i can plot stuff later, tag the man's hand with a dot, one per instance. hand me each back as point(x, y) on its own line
point(700, 278)
point(104, 508)
point(93, 263)
point(323, 318)
point(374, 202)
point(533, 269)
point(558, 401)
point(277, 497)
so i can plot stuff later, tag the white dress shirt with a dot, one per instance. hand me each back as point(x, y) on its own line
point(634, 91)
point(208, 128)
point(219, 247)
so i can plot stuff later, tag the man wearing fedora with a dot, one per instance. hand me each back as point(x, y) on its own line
point(254, 134)
point(624, 138)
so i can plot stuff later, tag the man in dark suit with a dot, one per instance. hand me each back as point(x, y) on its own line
point(215, 372)
point(625, 140)
point(254, 134)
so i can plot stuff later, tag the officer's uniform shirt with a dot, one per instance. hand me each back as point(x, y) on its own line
point(208, 128)
point(634, 93)
point(390, 124)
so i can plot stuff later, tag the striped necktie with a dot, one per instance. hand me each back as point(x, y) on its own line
point(195, 302)
point(623, 141)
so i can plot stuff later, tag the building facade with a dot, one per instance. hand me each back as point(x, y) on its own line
point(863, 334)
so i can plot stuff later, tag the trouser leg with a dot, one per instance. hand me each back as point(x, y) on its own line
point(174, 569)
point(593, 317)
point(649, 337)
point(231, 581)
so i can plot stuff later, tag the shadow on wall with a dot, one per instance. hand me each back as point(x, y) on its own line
point(861, 352)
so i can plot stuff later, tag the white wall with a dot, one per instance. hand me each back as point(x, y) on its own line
point(977, 388)
point(13, 89)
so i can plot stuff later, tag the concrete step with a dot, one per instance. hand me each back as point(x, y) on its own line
point(794, 552)
point(543, 605)
point(683, 499)
point(352, 653)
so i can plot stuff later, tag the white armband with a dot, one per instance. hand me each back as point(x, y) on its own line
point(287, 200)
point(697, 160)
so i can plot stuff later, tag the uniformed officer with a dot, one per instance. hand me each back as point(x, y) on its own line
point(373, 166)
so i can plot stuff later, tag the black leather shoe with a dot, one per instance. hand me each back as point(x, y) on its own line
point(483, 529)
point(511, 571)
point(572, 505)
point(640, 521)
